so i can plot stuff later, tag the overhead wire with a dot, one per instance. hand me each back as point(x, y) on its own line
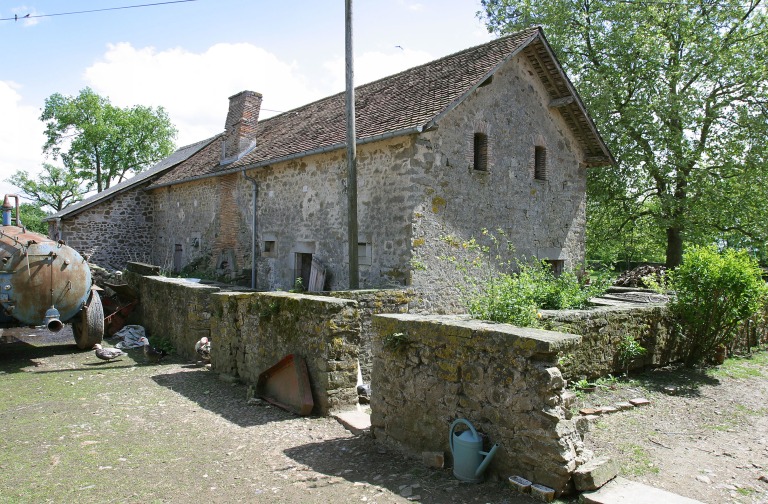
point(30, 16)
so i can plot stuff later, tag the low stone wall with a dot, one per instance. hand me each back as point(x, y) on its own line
point(173, 309)
point(253, 331)
point(430, 370)
point(604, 328)
point(370, 303)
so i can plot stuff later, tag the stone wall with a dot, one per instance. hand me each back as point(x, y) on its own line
point(604, 328)
point(114, 232)
point(370, 303)
point(542, 219)
point(430, 370)
point(173, 309)
point(253, 331)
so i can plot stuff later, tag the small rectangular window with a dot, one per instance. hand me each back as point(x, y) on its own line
point(364, 254)
point(556, 266)
point(540, 163)
point(481, 152)
point(270, 248)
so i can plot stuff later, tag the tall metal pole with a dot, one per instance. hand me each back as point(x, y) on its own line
point(351, 154)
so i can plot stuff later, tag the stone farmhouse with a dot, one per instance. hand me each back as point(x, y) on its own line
point(493, 137)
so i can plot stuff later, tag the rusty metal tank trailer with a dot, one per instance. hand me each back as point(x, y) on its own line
point(44, 282)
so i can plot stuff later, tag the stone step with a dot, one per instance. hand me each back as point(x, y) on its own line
point(624, 491)
point(357, 422)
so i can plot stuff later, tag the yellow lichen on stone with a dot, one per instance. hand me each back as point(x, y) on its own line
point(525, 344)
point(418, 242)
point(437, 202)
point(449, 370)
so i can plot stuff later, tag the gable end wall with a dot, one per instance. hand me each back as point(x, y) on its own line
point(113, 232)
point(542, 219)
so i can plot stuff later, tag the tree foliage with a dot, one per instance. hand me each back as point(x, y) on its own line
point(32, 217)
point(103, 143)
point(55, 187)
point(680, 91)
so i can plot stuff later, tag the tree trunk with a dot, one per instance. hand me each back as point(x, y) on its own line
point(674, 247)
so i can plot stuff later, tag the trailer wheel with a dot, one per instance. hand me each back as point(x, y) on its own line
point(88, 325)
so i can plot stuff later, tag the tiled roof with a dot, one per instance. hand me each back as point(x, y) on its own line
point(404, 102)
point(181, 154)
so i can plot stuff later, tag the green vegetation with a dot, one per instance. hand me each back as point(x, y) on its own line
point(55, 188)
point(269, 311)
point(32, 218)
point(102, 143)
point(161, 344)
point(742, 367)
point(517, 298)
point(638, 462)
point(677, 89)
point(502, 288)
point(396, 341)
point(716, 292)
point(629, 349)
point(735, 418)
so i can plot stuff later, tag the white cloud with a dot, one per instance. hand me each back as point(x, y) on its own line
point(411, 6)
point(194, 87)
point(21, 136)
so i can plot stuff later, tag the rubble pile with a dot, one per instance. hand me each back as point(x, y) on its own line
point(636, 277)
point(102, 276)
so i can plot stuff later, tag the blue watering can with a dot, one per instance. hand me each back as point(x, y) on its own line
point(469, 461)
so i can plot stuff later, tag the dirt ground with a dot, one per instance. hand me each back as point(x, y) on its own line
point(704, 434)
point(75, 429)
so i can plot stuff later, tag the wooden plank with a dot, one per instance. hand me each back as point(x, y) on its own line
point(316, 276)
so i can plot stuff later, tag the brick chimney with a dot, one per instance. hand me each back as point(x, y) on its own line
point(240, 128)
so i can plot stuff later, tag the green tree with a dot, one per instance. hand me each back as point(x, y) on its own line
point(681, 93)
point(613, 239)
point(55, 187)
point(32, 217)
point(104, 143)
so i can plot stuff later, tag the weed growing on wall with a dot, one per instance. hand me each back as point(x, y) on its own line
point(396, 341)
point(629, 349)
point(715, 292)
point(514, 291)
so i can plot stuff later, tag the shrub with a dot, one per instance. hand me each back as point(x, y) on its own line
point(516, 298)
point(715, 292)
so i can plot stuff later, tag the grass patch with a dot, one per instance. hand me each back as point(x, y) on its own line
point(742, 367)
point(637, 461)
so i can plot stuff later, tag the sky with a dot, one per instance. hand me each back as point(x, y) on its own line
point(190, 56)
